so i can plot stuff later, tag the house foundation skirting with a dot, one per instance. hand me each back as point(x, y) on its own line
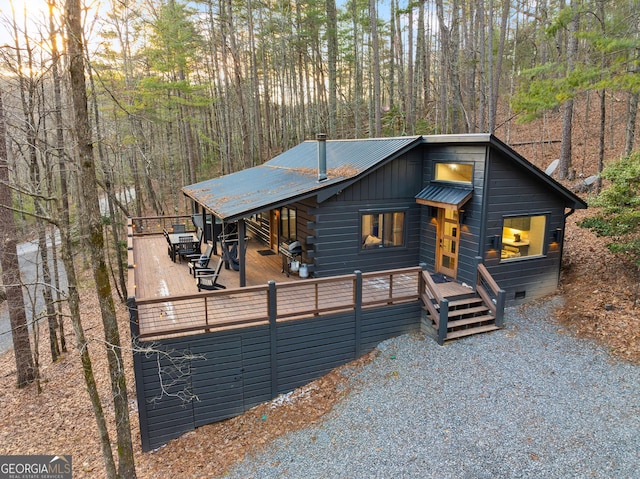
point(189, 381)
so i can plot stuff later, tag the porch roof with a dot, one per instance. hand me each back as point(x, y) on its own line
point(444, 196)
point(293, 175)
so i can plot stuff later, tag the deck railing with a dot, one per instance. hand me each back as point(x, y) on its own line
point(430, 298)
point(493, 296)
point(151, 225)
point(242, 307)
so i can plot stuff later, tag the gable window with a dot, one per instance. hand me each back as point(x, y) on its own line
point(523, 236)
point(454, 172)
point(288, 230)
point(382, 229)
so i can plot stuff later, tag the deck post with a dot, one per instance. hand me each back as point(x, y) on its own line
point(479, 261)
point(357, 302)
point(442, 323)
point(272, 304)
point(500, 301)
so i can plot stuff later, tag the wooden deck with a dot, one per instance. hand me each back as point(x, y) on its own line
point(169, 304)
point(158, 276)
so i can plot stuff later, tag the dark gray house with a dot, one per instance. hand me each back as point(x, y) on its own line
point(397, 234)
point(448, 201)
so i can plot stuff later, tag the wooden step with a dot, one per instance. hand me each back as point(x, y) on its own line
point(469, 331)
point(464, 311)
point(465, 301)
point(474, 320)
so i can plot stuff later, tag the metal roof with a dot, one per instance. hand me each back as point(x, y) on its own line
point(438, 195)
point(293, 175)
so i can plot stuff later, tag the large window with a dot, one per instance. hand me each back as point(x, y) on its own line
point(382, 230)
point(288, 230)
point(523, 236)
point(454, 172)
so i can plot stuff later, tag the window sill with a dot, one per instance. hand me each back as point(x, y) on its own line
point(521, 258)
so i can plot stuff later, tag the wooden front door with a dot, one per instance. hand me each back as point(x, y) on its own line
point(448, 242)
point(274, 226)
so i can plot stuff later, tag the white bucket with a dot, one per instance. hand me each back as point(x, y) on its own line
point(304, 271)
point(294, 266)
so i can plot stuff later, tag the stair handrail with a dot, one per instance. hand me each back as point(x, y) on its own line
point(429, 292)
point(488, 289)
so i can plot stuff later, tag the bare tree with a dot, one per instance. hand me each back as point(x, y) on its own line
point(567, 119)
point(25, 369)
point(94, 239)
point(373, 17)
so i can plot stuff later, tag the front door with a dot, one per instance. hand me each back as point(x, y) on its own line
point(448, 242)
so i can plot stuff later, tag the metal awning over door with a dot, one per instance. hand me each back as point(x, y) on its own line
point(444, 196)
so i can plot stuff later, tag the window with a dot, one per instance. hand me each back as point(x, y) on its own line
point(382, 230)
point(454, 172)
point(523, 236)
point(288, 230)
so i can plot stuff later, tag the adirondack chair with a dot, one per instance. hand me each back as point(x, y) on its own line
point(200, 261)
point(207, 278)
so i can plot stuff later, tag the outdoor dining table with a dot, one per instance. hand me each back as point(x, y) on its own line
point(174, 240)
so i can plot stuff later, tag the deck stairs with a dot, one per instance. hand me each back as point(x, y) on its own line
point(456, 311)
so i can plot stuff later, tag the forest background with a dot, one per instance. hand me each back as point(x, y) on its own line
point(178, 92)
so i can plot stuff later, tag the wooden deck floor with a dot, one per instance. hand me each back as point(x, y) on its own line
point(158, 276)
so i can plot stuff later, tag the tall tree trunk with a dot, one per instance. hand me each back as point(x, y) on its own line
point(25, 369)
point(632, 115)
point(332, 59)
point(497, 75)
point(357, 74)
point(373, 16)
point(63, 209)
point(567, 120)
point(94, 239)
point(108, 186)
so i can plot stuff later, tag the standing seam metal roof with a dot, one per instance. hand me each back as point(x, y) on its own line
point(293, 175)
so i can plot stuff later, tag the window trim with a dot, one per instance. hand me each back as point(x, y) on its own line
point(382, 211)
point(545, 243)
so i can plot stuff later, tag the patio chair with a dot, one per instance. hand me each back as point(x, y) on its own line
point(207, 278)
point(200, 261)
point(170, 249)
point(179, 228)
point(187, 246)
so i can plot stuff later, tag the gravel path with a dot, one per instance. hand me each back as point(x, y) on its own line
point(529, 401)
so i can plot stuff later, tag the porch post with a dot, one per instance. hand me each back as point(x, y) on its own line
point(242, 252)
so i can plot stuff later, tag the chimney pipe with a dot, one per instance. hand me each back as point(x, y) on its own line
point(322, 156)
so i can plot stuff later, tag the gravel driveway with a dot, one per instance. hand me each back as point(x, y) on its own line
point(528, 401)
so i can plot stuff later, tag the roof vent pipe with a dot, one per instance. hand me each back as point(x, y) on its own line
point(322, 156)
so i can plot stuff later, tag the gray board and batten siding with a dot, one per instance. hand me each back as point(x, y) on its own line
point(512, 192)
point(337, 235)
point(195, 380)
point(471, 228)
